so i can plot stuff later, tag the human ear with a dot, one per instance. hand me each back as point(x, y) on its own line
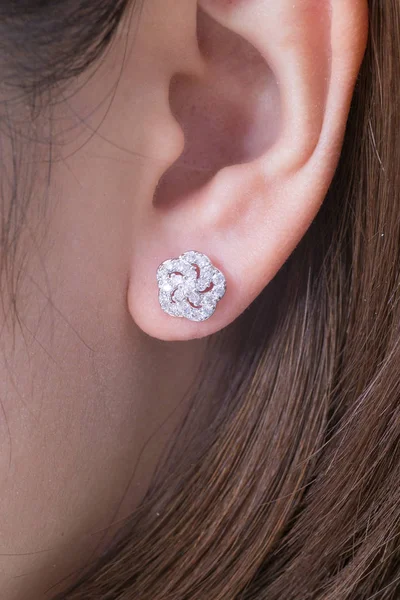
point(284, 73)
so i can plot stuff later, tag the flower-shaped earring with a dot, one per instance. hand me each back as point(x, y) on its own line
point(190, 286)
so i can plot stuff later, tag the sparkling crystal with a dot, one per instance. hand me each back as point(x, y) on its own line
point(173, 310)
point(203, 260)
point(176, 279)
point(190, 257)
point(218, 291)
point(179, 295)
point(162, 273)
point(209, 301)
point(168, 264)
point(218, 278)
point(164, 300)
point(202, 284)
point(194, 298)
point(187, 291)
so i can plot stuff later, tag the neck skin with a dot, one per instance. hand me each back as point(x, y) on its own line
point(89, 402)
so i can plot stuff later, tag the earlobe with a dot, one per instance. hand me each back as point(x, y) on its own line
point(250, 215)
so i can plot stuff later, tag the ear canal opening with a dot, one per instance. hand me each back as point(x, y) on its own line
point(229, 116)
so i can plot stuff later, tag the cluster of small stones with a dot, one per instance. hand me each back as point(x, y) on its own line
point(187, 291)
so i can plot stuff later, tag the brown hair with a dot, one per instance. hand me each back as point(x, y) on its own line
point(284, 481)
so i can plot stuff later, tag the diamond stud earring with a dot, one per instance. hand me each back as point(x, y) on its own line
point(190, 286)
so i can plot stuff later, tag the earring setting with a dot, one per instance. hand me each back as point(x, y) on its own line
point(190, 286)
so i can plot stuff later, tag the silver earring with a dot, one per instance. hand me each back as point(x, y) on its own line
point(190, 286)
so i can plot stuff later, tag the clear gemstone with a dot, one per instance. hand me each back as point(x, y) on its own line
point(176, 279)
point(218, 292)
point(162, 273)
point(176, 265)
point(174, 309)
point(204, 314)
point(182, 285)
point(168, 264)
point(194, 298)
point(209, 298)
point(207, 273)
point(190, 257)
point(203, 260)
point(179, 295)
point(186, 310)
point(218, 278)
point(164, 300)
point(201, 284)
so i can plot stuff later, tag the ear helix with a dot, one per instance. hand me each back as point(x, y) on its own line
point(190, 286)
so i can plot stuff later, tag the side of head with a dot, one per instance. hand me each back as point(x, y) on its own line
point(262, 134)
